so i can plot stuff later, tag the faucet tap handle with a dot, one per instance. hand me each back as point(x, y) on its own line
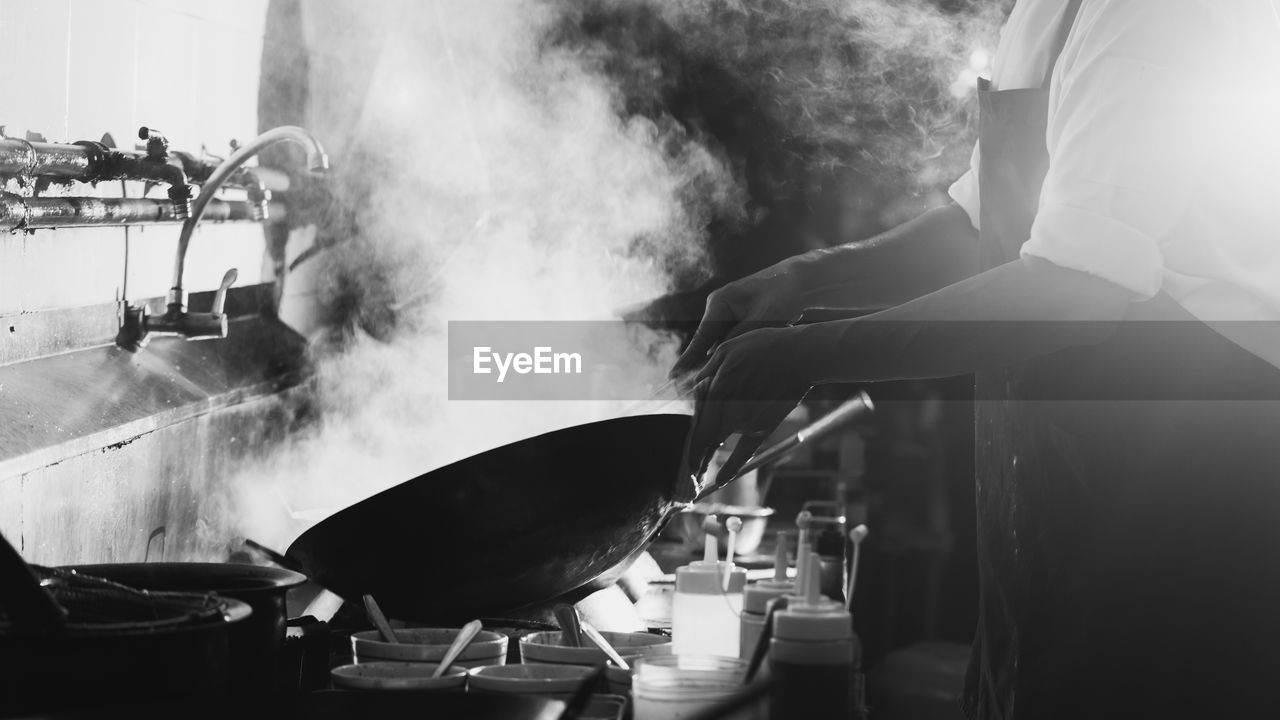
point(220, 298)
point(157, 143)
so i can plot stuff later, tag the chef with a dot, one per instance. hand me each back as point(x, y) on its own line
point(1109, 268)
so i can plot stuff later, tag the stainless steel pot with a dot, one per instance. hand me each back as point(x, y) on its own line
point(105, 665)
point(257, 643)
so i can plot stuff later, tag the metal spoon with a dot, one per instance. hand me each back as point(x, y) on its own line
point(460, 643)
point(379, 620)
point(594, 636)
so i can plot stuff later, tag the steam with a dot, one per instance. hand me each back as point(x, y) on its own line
point(483, 176)
point(876, 91)
point(491, 168)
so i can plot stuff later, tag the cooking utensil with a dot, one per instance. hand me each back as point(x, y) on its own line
point(847, 411)
point(599, 641)
point(549, 516)
point(570, 624)
point(257, 644)
point(379, 620)
point(460, 643)
point(278, 558)
point(115, 643)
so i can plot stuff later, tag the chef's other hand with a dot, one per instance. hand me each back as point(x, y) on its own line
point(769, 298)
point(748, 387)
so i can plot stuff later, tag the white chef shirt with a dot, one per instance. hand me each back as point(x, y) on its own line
point(1164, 149)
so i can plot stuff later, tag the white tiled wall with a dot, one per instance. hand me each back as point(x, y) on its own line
point(75, 69)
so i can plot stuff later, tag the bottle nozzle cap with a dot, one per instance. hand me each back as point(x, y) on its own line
point(710, 524)
point(811, 594)
point(711, 548)
point(780, 558)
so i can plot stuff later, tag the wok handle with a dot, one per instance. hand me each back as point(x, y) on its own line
point(274, 556)
point(850, 409)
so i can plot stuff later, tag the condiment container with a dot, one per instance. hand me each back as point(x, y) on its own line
point(756, 597)
point(428, 645)
point(812, 657)
point(707, 605)
point(549, 647)
point(397, 676)
point(529, 678)
point(680, 686)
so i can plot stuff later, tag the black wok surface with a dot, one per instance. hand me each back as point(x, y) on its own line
point(510, 527)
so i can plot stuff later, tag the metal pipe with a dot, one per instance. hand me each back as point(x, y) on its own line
point(26, 157)
point(22, 213)
point(76, 162)
point(199, 170)
point(317, 162)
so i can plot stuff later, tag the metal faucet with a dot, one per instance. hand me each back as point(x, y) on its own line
point(136, 325)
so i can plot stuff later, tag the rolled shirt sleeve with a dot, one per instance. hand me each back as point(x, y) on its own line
point(1124, 148)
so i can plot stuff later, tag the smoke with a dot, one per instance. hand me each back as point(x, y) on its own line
point(524, 160)
point(480, 175)
point(870, 100)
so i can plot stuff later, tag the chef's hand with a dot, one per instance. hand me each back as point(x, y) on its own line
point(749, 386)
point(772, 297)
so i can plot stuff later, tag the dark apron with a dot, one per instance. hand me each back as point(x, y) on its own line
point(1128, 497)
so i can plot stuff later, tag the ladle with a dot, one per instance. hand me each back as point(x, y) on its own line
point(460, 643)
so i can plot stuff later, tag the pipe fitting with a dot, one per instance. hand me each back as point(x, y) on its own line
point(318, 162)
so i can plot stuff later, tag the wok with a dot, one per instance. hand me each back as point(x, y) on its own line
point(517, 525)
